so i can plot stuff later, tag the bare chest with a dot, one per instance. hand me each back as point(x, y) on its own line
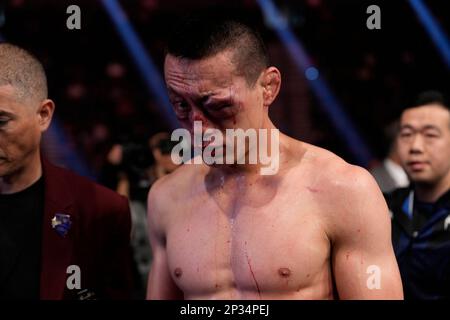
point(278, 246)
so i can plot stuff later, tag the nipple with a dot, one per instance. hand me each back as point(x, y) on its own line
point(178, 272)
point(284, 272)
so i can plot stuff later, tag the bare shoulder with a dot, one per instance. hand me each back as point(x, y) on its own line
point(172, 190)
point(331, 176)
point(350, 194)
point(336, 175)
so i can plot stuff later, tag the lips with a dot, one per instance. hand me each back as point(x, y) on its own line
point(417, 165)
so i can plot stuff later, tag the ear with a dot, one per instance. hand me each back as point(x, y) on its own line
point(157, 154)
point(45, 114)
point(271, 82)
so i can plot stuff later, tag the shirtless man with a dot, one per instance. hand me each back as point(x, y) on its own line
point(317, 229)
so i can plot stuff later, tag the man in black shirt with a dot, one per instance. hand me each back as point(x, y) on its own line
point(20, 242)
point(52, 221)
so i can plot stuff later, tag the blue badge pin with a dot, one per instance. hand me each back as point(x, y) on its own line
point(61, 223)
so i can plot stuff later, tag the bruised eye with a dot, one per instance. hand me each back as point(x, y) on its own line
point(181, 108)
point(219, 107)
point(4, 121)
point(224, 106)
point(181, 105)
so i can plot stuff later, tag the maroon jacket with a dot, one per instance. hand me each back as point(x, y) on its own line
point(97, 241)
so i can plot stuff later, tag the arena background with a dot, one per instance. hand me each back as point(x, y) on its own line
point(103, 97)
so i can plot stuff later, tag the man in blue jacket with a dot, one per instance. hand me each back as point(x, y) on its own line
point(421, 212)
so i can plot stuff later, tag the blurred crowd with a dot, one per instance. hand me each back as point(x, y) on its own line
point(102, 101)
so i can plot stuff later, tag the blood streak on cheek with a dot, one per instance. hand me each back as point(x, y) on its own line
point(235, 112)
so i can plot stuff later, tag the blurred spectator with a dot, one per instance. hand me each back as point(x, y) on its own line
point(161, 147)
point(390, 174)
point(131, 169)
point(421, 212)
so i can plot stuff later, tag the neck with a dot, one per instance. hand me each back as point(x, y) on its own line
point(160, 171)
point(431, 193)
point(393, 156)
point(22, 177)
point(258, 160)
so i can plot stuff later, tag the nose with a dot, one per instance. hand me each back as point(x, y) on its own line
point(417, 144)
point(198, 115)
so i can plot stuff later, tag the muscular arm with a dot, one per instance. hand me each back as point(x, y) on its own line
point(160, 284)
point(363, 261)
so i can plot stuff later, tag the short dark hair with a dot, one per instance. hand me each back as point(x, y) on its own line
point(426, 98)
point(430, 97)
point(23, 71)
point(204, 34)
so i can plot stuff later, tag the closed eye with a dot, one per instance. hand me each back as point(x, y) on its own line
point(218, 107)
point(431, 135)
point(4, 122)
point(405, 134)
